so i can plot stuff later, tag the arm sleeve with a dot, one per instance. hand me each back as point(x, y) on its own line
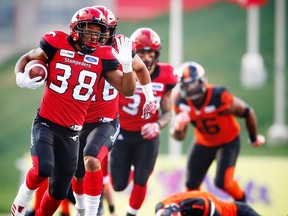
point(48, 49)
point(109, 65)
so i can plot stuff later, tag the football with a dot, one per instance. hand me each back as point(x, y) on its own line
point(37, 68)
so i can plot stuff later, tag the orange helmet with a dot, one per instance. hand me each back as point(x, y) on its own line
point(192, 80)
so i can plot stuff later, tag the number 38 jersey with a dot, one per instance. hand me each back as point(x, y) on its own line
point(130, 108)
point(211, 127)
point(72, 79)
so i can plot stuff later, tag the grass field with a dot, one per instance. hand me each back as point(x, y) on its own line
point(266, 191)
point(215, 37)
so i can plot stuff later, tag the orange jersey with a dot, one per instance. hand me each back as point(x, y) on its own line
point(224, 208)
point(211, 127)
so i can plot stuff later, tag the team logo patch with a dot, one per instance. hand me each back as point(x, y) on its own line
point(158, 86)
point(209, 109)
point(120, 137)
point(91, 59)
point(74, 138)
point(67, 53)
point(114, 137)
point(52, 33)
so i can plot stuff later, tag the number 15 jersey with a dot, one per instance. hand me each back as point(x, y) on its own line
point(212, 128)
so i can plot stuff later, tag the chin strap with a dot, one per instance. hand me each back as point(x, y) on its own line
point(87, 50)
point(84, 48)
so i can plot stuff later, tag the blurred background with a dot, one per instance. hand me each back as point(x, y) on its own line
point(241, 44)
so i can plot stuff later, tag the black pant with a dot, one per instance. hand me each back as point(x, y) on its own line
point(201, 157)
point(131, 149)
point(54, 151)
point(92, 139)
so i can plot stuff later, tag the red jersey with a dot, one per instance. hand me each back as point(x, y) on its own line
point(104, 105)
point(72, 79)
point(211, 127)
point(130, 108)
point(224, 208)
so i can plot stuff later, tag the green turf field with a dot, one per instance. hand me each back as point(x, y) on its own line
point(214, 37)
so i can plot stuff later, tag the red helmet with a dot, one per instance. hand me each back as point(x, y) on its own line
point(111, 22)
point(85, 16)
point(146, 39)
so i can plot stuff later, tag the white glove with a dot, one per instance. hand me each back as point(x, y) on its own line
point(260, 140)
point(124, 54)
point(149, 108)
point(150, 105)
point(150, 130)
point(24, 81)
point(182, 119)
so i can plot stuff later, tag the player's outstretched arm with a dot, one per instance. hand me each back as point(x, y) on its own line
point(240, 109)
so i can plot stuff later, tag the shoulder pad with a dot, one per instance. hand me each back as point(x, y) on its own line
point(55, 37)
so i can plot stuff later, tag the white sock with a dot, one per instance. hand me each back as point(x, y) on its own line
point(80, 201)
point(24, 196)
point(131, 210)
point(92, 204)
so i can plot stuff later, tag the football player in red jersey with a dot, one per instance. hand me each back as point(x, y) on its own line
point(76, 63)
point(212, 110)
point(101, 122)
point(101, 129)
point(138, 141)
point(200, 203)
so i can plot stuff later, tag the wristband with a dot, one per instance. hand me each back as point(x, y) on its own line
point(158, 124)
point(111, 208)
point(253, 138)
point(246, 112)
point(19, 78)
point(148, 92)
point(127, 68)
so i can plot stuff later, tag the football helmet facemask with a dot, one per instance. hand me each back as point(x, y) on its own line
point(172, 209)
point(192, 80)
point(79, 22)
